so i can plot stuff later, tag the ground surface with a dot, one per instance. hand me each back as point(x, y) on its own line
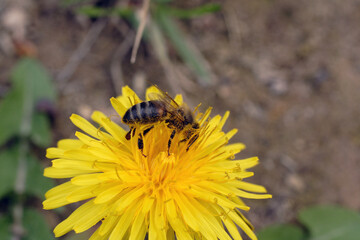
point(287, 70)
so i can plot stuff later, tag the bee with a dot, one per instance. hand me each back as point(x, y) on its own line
point(163, 108)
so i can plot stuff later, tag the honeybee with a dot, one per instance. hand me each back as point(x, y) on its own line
point(163, 108)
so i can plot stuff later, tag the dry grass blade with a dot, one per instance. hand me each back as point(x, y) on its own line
point(139, 33)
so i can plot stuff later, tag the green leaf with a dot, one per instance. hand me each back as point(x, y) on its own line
point(11, 115)
point(8, 167)
point(36, 226)
point(331, 223)
point(67, 3)
point(29, 74)
point(36, 183)
point(31, 83)
point(163, 1)
point(34, 84)
point(93, 11)
point(193, 12)
point(5, 226)
point(41, 130)
point(193, 60)
point(281, 232)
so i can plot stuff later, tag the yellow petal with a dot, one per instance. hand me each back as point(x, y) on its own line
point(82, 193)
point(118, 105)
point(223, 120)
point(52, 172)
point(248, 186)
point(123, 224)
point(54, 153)
point(109, 193)
point(73, 164)
point(175, 221)
point(87, 179)
point(131, 95)
point(108, 225)
point(87, 219)
point(230, 226)
point(115, 130)
point(129, 198)
point(210, 220)
point(155, 231)
point(179, 99)
point(87, 127)
point(138, 228)
point(60, 189)
point(97, 236)
point(242, 224)
point(124, 102)
point(85, 139)
point(68, 224)
point(69, 144)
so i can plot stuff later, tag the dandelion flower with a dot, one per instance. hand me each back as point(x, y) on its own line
point(180, 193)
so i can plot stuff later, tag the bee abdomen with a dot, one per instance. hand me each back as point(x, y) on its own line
point(145, 112)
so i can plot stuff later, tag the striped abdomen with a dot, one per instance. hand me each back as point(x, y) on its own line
point(145, 112)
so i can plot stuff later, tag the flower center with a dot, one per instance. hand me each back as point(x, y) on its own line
point(162, 175)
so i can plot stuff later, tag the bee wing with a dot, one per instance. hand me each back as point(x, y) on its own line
point(170, 104)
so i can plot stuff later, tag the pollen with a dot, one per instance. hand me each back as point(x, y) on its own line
point(189, 189)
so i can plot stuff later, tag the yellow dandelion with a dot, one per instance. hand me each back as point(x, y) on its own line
point(187, 191)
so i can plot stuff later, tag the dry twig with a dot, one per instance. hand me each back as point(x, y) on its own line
point(143, 18)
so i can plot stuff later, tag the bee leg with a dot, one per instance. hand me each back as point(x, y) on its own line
point(170, 139)
point(192, 140)
point(128, 135)
point(147, 130)
point(141, 145)
point(140, 140)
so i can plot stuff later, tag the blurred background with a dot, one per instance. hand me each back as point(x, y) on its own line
point(287, 70)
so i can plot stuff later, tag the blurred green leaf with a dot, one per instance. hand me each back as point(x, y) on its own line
point(8, 167)
point(163, 1)
point(36, 183)
point(67, 3)
point(93, 11)
point(5, 226)
point(36, 226)
point(192, 12)
point(41, 130)
point(281, 232)
point(194, 61)
point(331, 223)
point(10, 112)
point(30, 75)
point(31, 78)
point(31, 83)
